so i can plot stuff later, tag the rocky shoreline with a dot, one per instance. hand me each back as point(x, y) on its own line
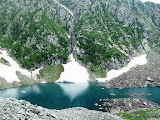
point(11, 108)
point(125, 105)
point(140, 76)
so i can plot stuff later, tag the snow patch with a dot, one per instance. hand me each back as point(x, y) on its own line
point(70, 12)
point(74, 72)
point(9, 72)
point(140, 60)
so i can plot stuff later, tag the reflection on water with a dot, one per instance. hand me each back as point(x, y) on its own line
point(12, 93)
point(61, 95)
point(16, 92)
point(73, 90)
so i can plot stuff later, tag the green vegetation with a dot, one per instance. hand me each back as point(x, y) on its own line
point(51, 73)
point(31, 45)
point(66, 2)
point(36, 36)
point(141, 114)
point(4, 61)
point(97, 72)
point(103, 38)
point(25, 80)
point(2, 83)
point(35, 32)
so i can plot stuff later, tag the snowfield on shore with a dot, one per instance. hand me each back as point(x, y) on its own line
point(140, 60)
point(9, 72)
point(74, 72)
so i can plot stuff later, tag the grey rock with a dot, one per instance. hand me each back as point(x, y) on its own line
point(127, 104)
point(150, 79)
point(26, 111)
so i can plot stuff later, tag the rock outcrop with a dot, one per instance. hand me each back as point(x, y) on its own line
point(126, 104)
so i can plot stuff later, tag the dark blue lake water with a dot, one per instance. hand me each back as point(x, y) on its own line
point(61, 95)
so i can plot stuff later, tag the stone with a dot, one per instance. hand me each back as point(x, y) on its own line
point(150, 79)
point(32, 112)
point(127, 104)
point(146, 83)
point(96, 104)
point(145, 103)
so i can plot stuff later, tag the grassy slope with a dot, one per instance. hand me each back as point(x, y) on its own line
point(51, 73)
point(141, 114)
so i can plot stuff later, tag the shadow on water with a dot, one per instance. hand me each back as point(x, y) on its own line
point(64, 95)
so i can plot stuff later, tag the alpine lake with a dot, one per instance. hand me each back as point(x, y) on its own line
point(67, 95)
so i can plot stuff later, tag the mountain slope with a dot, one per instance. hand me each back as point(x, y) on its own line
point(102, 34)
point(35, 32)
point(115, 31)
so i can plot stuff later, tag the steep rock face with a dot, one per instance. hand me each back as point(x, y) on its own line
point(102, 34)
